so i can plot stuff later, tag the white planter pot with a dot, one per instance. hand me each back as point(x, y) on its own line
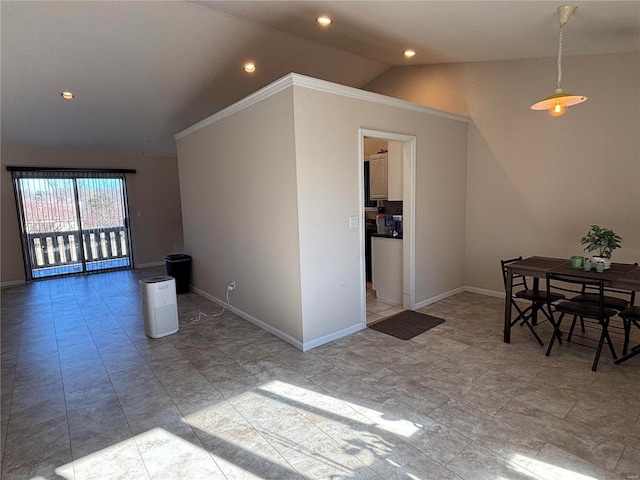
point(607, 262)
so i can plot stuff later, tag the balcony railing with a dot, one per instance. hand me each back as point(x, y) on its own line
point(58, 249)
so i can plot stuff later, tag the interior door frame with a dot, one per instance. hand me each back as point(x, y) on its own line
point(408, 216)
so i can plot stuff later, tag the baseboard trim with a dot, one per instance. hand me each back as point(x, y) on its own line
point(250, 318)
point(12, 283)
point(480, 291)
point(484, 291)
point(151, 264)
point(305, 346)
point(332, 336)
point(437, 298)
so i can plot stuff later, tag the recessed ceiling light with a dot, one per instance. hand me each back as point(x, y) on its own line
point(249, 67)
point(324, 21)
point(67, 95)
point(408, 53)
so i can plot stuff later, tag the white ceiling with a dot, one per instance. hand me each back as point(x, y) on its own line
point(143, 71)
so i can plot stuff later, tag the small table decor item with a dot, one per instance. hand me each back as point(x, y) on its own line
point(603, 241)
point(577, 261)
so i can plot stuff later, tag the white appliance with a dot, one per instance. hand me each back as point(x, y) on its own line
point(159, 306)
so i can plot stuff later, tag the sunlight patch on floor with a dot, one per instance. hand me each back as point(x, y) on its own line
point(156, 452)
point(545, 470)
point(332, 405)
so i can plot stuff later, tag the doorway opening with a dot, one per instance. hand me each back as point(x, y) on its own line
point(387, 185)
point(72, 222)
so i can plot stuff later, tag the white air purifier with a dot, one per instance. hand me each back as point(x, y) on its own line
point(159, 306)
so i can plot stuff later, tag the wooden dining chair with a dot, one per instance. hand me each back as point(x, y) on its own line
point(630, 317)
point(613, 298)
point(623, 299)
point(520, 291)
point(595, 314)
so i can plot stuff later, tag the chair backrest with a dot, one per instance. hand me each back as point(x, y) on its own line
point(627, 295)
point(568, 285)
point(516, 280)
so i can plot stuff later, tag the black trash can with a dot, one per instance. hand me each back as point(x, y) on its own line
point(179, 267)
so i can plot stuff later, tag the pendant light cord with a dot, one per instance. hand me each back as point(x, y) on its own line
point(560, 57)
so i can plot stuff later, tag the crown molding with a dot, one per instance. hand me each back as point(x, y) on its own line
point(358, 94)
point(295, 79)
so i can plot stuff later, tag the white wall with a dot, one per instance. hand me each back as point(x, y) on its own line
point(267, 191)
point(239, 207)
point(328, 164)
point(536, 183)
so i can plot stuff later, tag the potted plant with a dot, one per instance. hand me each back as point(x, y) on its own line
point(603, 241)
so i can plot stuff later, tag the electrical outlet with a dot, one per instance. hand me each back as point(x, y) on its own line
point(232, 286)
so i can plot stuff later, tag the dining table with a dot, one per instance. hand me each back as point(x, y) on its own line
point(622, 276)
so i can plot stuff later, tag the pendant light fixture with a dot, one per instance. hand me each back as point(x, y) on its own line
point(557, 103)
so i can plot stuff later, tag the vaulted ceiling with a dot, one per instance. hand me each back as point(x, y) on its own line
point(143, 71)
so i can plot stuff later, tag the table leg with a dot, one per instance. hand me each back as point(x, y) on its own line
point(534, 310)
point(507, 306)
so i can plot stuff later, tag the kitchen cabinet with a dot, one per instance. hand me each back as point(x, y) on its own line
point(387, 269)
point(385, 174)
point(378, 176)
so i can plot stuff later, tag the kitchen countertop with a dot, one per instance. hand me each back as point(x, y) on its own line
point(386, 235)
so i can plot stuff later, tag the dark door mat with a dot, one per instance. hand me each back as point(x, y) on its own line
point(406, 325)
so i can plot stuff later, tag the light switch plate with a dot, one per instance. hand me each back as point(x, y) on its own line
point(353, 221)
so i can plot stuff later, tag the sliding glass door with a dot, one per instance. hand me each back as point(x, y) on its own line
point(72, 222)
point(105, 236)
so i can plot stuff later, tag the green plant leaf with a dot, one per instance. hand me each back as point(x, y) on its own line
point(604, 240)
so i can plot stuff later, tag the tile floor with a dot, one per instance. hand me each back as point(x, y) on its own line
point(86, 395)
point(378, 310)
